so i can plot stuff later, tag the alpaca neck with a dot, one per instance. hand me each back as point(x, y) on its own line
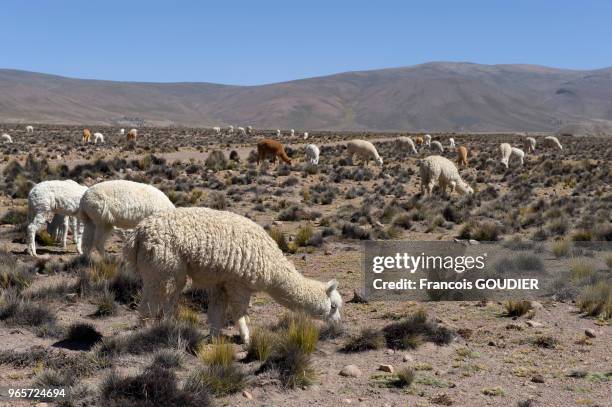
point(299, 293)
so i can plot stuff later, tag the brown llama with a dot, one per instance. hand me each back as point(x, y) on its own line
point(273, 148)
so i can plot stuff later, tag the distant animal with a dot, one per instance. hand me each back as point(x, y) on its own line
point(439, 169)
point(436, 145)
point(234, 156)
point(406, 143)
point(505, 150)
point(305, 135)
point(86, 136)
point(271, 148)
point(98, 137)
point(427, 140)
point(6, 138)
point(364, 150)
point(462, 156)
point(230, 129)
point(519, 154)
point(451, 142)
point(29, 129)
point(249, 129)
point(117, 204)
point(292, 132)
point(122, 132)
point(312, 153)
point(418, 140)
point(242, 131)
point(132, 135)
point(278, 133)
point(530, 144)
point(229, 256)
point(54, 197)
point(552, 141)
point(217, 129)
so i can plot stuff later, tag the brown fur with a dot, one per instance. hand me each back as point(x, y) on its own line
point(86, 135)
point(462, 156)
point(268, 147)
point(418, 141)
point(131, 136)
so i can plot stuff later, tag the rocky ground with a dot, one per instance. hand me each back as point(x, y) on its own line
point(552, 355)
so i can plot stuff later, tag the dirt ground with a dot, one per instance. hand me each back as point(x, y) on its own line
point(556, 195)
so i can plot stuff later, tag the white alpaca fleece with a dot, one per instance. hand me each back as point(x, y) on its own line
point(506, 151)
point(56, 197)
point(436, 145)
point(427, 139)
point(242, 131)
point(230, 129)
point(98, 137)
point(120, 204)
point(217, 129)
point(227, 254)
point(552, 141)
point(436, 168)
point(29, 129)
point(122, 132)
point(312, 153)
point(530, 144)
point(292, 132)
point(278, 132)
point(451, 142)
point(7, 138)
point(364, 150)
point(519, 154)
point(406, 142)
point(305, 135)
point(249, 129)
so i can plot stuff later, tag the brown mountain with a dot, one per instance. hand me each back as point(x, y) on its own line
point(433, 96)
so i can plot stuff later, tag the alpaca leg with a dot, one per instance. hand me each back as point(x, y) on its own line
point(87, 240)
point(100, 237)
point(65, 232)
point(217, 304)
point(78, 235)
point(239, 300)
point(36, 223)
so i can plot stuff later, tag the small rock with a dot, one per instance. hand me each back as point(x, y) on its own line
point(72, 297)
point(491, 343)
point(590, 333)
point(537, 379)
point(350, 371)
point(247, 395)
point(241, 355)
point(386, 368)
point(536, 305)
point(473, 242)
point(407, 358)
point(534, 324)
point(358, 297)
point(347, 401)
point(390, 352)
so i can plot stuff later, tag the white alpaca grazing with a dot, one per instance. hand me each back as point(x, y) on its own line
point(305, 135)
point(242, 131)
point(292, 132)
point(364, 150)
point(249, 129)
point(98, 137)
point(278, 133)
point(439, 169)
point(519, 154)
point(312, 153)
point(427, 138)
point(57, 197)
point(451, 143)
point(29, 129)
point(122, 132)
point(406, 143)
point(530, 144)
point(119, 203)
point(227, 254)
point(6, 138)
point(552, 141)
point(230, 129)
point(506, 151)
point(217, 129)
point(436, 145)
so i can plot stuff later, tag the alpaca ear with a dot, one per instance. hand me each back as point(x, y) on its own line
point(331, 286)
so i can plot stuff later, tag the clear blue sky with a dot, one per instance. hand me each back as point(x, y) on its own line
point(259, 41)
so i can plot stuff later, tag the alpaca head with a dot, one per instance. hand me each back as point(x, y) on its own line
point(333, 303)
point(464, 188)
point(379, 160)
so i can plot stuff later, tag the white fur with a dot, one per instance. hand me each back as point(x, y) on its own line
point(451, 142)
point(98, 137)
point(250, 129)
point(506, 151)
point(436, 145)
point(439, 169)
point(122, 132)
point(7, 138)
point(519, 154)
point(56, 197)
point(406, 142)
point(312, 153)
point(29, 129)
point(120, 204)
point(364, 150)
point(292, 131)
point(530, 144)
point(227, 254)
point(427, 138)
point(242, 131)
point(552, 141)
point(217, 129)
point(278, 133)
point(305, 135)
